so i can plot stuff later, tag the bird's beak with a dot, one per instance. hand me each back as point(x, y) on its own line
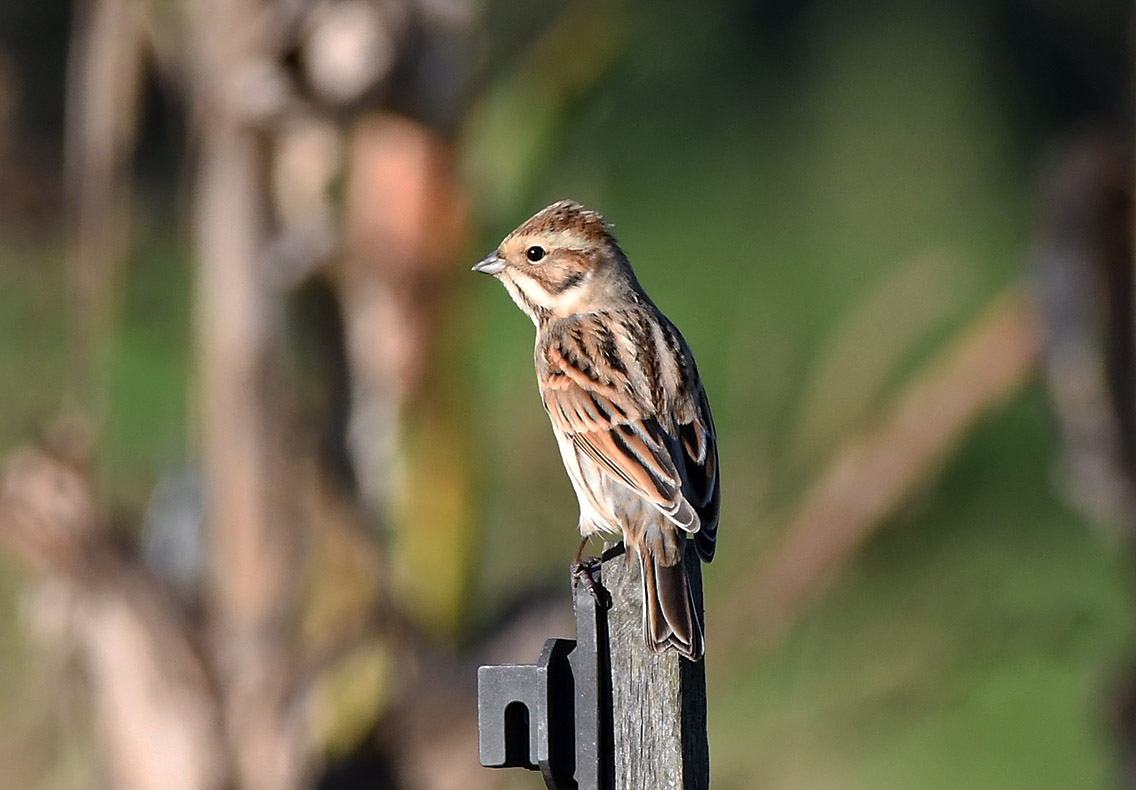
point(490, 264)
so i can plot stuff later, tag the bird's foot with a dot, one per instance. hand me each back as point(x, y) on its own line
point(582, 570)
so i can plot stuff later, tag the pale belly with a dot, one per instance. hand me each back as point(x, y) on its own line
point(607, 506)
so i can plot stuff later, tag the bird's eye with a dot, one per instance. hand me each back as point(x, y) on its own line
point(535, 254)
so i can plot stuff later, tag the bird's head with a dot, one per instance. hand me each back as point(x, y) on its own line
point(562, 261)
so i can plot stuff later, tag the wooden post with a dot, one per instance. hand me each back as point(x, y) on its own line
point(658, 701)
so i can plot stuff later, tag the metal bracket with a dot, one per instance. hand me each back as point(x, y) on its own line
point(554, 716)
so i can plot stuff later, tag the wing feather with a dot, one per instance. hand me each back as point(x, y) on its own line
point(700, 472)
point(612, 422)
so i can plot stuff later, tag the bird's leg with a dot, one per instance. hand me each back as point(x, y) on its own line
point(582, 571)
point(576, 563)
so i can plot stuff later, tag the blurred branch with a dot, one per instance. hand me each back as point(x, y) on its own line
point(1082, 268)
point(861, 355)
point(154, 705)
point(102, 115)
point(250, 483)
point(405, 216)
point(289, 100)
point(878, 469)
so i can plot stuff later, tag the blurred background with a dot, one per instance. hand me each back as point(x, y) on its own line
point(277, 478)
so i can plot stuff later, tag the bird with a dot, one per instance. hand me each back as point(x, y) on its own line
point(627, 407)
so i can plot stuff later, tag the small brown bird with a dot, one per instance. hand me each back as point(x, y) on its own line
point(627, 406)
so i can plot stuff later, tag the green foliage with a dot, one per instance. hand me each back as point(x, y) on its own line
point(150, 392)
point(816, 229)
point(971, 645)
point(817, 221)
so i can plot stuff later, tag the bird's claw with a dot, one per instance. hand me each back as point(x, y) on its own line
point(582, 572)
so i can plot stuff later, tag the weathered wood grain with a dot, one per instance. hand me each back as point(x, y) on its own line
point(658, 701)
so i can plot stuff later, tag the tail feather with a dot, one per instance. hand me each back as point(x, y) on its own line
point(670, 618)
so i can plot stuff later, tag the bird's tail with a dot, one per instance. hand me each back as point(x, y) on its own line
point(670, 617)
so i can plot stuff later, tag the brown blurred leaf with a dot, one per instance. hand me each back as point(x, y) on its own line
point(872, 474)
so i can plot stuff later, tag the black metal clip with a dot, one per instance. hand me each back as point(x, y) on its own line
point(553, 716)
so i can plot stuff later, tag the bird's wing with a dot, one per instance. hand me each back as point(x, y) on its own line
point(700, 472)
point(608, 426)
